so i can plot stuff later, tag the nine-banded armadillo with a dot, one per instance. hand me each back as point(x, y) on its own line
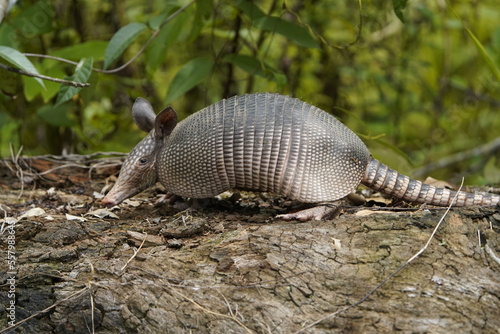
point(263, 142)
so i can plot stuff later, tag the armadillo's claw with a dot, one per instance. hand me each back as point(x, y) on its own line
point(320, 212)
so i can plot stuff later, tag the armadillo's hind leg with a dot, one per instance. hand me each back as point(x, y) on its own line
point(322, 211)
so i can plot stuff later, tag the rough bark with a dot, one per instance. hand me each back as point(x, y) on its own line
point(230, 268)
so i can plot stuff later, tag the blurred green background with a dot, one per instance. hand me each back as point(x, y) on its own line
point(405, 76)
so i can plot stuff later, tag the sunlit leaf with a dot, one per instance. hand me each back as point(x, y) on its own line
point(292, 31)
point(121, 40)
point(190, 75)
point(19, 60)
point(82, 74)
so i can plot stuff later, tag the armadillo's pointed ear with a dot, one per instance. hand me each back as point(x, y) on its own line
point(143, 114)
point(165, 122)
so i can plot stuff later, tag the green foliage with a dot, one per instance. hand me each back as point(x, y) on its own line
point(190, 75)
point(19, 60)
point(417, 80)
point(399, 5)
point(82, 74)
point(121, 40)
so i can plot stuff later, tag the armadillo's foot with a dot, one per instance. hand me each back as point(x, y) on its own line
point(169, 198)
point(320, 212)
point(181, 204)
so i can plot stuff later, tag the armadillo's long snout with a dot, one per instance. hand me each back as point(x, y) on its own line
point(117, 195)
point(108, 201)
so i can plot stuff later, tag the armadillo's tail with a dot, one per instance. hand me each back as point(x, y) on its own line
point(380, 177)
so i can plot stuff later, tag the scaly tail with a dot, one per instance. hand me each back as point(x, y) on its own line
point(380, 177)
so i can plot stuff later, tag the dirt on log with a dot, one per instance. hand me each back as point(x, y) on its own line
point(70, 266)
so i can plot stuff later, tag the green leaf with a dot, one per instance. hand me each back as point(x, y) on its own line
point(190, 75)
point(292, 31)
point(199, 19)
point(3, 119)
point(9, 82)
point(398, 6)
point(250, 9)
point(121, 40)
point(251, 65)
point(35, 20)
point(168, 35)
point(32, 89)
point(19, 60)
point(495, 39)
point(8, 35)
point(248, 63)
point(94, 49)
point(82, 74)
point(203, 8)
point(56, 115)
point(155, 22)
point(254, 66)
point(486, 57)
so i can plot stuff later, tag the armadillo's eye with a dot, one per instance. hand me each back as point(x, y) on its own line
point(143, 161)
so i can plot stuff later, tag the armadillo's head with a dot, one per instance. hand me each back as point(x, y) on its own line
point(139, 171)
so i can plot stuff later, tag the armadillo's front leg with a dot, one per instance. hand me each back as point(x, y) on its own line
point(169, 198)
point(182, 204)
point(320, 212)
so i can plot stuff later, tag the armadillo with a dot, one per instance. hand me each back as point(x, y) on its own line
point(267, 143)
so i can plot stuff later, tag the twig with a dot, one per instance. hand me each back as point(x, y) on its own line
point(44, 77)
point(491, 253)
point(394, 273)
point(19, 171)
point(89, 286)
point(136, 251)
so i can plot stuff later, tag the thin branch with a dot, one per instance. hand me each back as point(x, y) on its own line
point(79, 84)
point(136, 251)
point(118, 69)
point(62, 60)
point(486, 150)
point(43, 77)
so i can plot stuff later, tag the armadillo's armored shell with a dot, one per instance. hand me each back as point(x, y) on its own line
point(263, 142)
